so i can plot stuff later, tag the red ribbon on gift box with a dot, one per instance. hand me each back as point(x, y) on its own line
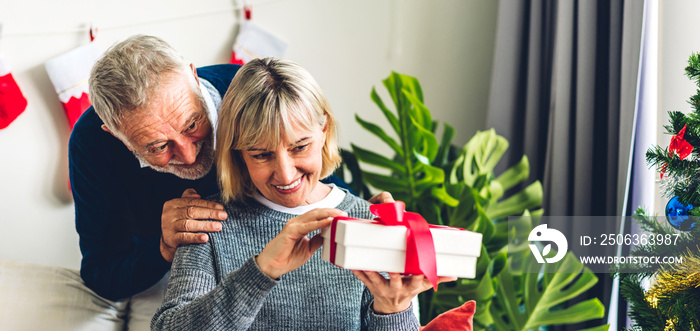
point(420, 249)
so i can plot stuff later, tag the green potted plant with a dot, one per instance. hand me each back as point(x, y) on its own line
point(457, 187)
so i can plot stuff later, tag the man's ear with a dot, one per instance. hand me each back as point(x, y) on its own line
point(105, 129)
point(194, 71)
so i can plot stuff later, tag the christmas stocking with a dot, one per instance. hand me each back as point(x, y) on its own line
point(12, 102)
point(69, 75)
point(255, 42)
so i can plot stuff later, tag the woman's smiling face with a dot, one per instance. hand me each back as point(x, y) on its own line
point(289, 174)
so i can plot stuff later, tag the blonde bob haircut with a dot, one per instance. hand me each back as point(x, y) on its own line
point(266, 100)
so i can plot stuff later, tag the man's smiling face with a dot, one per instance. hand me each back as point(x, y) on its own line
point(172, 132)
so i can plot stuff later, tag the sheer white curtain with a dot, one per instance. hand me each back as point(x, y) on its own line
point(641, 183)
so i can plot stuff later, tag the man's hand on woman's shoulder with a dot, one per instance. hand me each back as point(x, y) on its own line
point(181, 222)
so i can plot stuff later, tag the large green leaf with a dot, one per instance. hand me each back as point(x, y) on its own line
point(543, 295)
point(515, 174)
point(397, 82)
point(496, 147)
point(403, 163)
point(432, 180)
point(384, 182)
point(456, 179)
point(493, 192)
point(387, 113)
point(445, 146)
point(419, 112)
point(441, 194)
point(465, 213)
point(412, 85)
point(430, 177)
point(428, 142)
point(528, 198)
point(505, 310)
point(379, 160)
point(379, 132)
point(393, 86)
point(480, 155)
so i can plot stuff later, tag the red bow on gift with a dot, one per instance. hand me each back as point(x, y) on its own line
point(679, 146)
point(420, 249)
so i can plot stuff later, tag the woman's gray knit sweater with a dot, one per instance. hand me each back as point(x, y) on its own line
point(218, 285)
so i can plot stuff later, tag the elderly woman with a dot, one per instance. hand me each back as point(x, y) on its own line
point(276, 138)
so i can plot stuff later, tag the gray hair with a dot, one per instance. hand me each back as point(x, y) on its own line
point(128, 72)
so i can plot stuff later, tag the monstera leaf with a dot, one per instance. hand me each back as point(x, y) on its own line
point(458, 187)
point(542, 295)
point(474, 168)
point(414, 174)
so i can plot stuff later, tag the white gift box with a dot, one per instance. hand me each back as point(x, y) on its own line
point(367, 245)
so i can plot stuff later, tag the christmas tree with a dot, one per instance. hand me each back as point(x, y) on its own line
point(672, 300)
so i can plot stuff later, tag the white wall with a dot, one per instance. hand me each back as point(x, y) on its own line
point(349, 46)
point(678, 38)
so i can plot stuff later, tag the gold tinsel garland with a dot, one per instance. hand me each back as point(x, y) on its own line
point(675, 279)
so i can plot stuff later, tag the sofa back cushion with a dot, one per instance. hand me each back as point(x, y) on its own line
point(37, 297)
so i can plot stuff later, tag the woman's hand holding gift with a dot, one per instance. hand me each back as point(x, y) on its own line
point(394, 294)
point(292, 248)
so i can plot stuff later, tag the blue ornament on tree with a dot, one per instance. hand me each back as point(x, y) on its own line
point(678, 215)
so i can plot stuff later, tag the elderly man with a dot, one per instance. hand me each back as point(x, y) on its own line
point(147, 139)
point(141, 160)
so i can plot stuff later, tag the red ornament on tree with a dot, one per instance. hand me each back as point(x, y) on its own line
point(678, 146)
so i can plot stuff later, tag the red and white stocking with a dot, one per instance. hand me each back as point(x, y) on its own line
point(69, 75)
point(253, 42)
point(12, 102)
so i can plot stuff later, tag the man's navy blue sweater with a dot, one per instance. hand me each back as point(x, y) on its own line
point(118, 204)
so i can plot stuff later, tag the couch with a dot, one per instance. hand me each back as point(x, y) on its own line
point(38, 297)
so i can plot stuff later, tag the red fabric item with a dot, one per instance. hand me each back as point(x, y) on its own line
point(678, 146)
point(12, 101)
point(235, 59)
point(420, 249)
point(253, 42)
point(456, 319)
point(69, 74)
point(76, 107)
point(248, 10)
